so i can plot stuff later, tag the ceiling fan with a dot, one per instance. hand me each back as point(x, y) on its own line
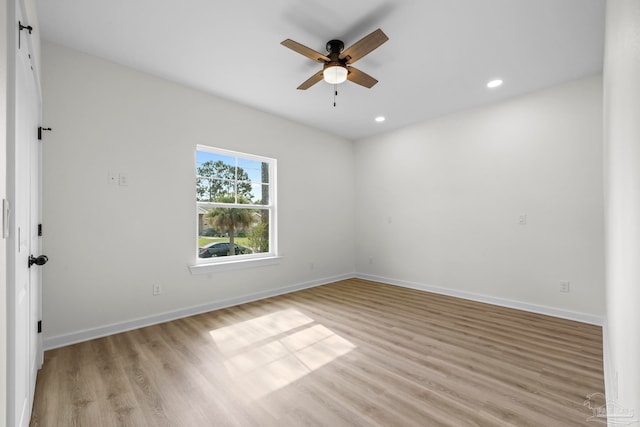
point(337, 64)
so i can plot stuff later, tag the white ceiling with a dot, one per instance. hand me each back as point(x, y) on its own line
point(439, 56)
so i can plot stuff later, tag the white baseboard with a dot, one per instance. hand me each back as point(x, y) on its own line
point(540, 309)
point(115, 328)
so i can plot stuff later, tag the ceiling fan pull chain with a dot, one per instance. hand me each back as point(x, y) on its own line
point(335, 93)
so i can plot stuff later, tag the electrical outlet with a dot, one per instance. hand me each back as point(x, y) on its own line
point(157, 290)
point(312, 265)
point(564, 286)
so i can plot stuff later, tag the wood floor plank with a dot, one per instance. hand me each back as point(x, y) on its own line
point(351, 353)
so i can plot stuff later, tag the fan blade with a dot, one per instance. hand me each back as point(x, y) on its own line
point(361, 78)
point(311, 81)
point(363, 46)
point(306, 51)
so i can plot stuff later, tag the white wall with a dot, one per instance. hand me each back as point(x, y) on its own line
point(108, 244)
point(438, 203)
point(622, 189)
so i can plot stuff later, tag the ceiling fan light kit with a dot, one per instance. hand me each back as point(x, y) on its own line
point(335, 74)
point(338, 63)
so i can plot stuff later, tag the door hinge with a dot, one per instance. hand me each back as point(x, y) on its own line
point(39, 230)
point(23, 27)
point(39, 326)
point(40, 129)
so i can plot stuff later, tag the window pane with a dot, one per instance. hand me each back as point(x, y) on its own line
point(258, 235)
point(224, 191)
point(203, 157)
point(247, 228)
point(243, 190)
point(256, 171)
point(221, 226)
point(216, 176)
point(203, 189)
point(260, 194)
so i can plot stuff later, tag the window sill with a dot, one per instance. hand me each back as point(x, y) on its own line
point(233, 265)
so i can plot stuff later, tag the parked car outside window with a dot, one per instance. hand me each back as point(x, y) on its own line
point(217, 249)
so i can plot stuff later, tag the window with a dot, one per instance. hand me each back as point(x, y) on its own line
point(235, 206)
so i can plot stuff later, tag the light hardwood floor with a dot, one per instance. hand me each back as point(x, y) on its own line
point(352, 353)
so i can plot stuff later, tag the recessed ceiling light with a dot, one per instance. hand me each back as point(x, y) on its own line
point(494, 83)
point(380, 119)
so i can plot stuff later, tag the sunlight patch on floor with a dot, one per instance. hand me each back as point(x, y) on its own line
point(268, 353)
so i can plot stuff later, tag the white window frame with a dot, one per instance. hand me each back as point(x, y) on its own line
point(207, 265)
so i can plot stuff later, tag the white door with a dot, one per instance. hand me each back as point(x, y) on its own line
point(24, 310)
point(35, 272)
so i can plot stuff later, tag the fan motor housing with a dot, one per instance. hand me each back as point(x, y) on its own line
point(335, 46)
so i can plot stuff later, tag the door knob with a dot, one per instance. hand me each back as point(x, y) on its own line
point(41, 260)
